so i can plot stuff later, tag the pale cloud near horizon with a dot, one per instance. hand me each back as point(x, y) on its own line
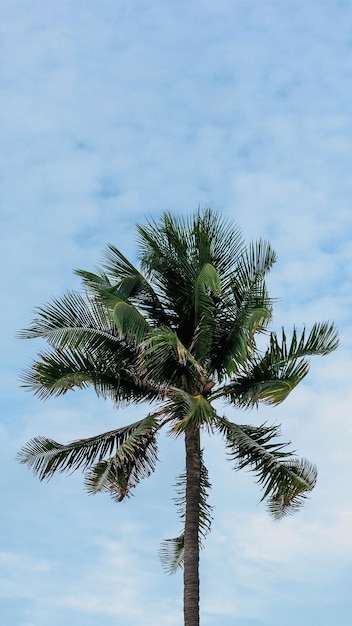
point(111, 114)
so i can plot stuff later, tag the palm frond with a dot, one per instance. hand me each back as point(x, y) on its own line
point(118, 281)
point(242, 313)
point(74, 322)
point(171, 551)
point(100, 284)
point(207, 290)
point(271, 377)
point(134, 460)
point(256, 261)
point(298, 479)
point(164, 358)
point(107, 293)
point(46, 457)
point(118, 267)
point(172, 554)
point(322, 339)
point(56, 373)
point(113, 375)
point(95, 284)
point(130, 284)
point(130, 323)
point(285, 480)
point(207, 295)
point(173, 252)
point(263, 384)
point(165, 259)
point(187, 411)
point(217, 240)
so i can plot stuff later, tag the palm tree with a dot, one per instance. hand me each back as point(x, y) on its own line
point(179, 333)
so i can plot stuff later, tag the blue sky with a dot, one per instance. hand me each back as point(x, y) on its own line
point(115, 111)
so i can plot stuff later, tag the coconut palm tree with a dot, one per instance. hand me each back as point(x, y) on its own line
point(178, 333)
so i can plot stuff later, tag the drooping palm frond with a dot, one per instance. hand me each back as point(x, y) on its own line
point(205, 509)
point(172, 550)
point(130, 323)
point(285, 480)
point(133, 460)
point(172, 554)
point(89, 346)
point(56, 373)
point(296, 482)
point(46, 457)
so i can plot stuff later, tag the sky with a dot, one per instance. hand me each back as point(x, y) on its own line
point(111, 113)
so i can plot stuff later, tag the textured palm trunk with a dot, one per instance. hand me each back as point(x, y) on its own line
point(191, 562)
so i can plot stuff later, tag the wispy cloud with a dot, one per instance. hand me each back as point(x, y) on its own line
point(117, 112)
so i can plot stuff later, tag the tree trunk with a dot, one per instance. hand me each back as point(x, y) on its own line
point(191, 560)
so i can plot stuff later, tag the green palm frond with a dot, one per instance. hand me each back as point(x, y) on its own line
point(164, 358)
point(270, 378)
point(134, 460)
point(165, 259)
point(241, 314)
point(103, 287)
point(187, 411)
point(46, 457)
point(172, 253)
point(285, 480)
point(133, 285)
point(100, 288)
point(119, 268)
point(95, 284)
point(248, 280)
point(256, 261)
point(130, 323)
point(322, 340)
point(56, 373)
point(207, 295)
point(217, 240)
point(264, 384)
point(172, 550)
point(207, 291)
point(120, 280)
point(297, 480)
point(74, 322)
point(112, 375)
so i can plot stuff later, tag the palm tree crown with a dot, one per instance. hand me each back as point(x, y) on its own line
point(179, 332)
